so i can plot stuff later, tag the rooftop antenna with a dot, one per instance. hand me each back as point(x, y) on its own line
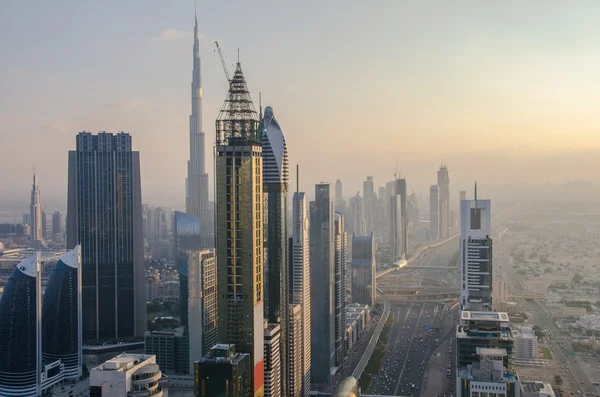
point(238, 55)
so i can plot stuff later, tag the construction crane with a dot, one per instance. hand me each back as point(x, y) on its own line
point(396, 172)
point(223, 61)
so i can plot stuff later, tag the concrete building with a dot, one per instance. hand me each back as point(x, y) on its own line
point(396, 229)
point(322, 274)
point(275, 185)
point(273, 367)
point(401, 191)
point(434, 212)
point(476, 255)
point(363, 270)
point(358, 223)
point(35, 213)
point(526, 343)
point(300, 293)
point(370, 203)
point(223, 372)
point(488, 374)
point(56, 223)
point(105, 218)
point(500, 290)
point(128, 375)
point(443, 182)
point(341, 242)
point(239, 200)
point(535, 388)
point(171, 348)
point(196, 198)
point(295, 337)
point(462, 195)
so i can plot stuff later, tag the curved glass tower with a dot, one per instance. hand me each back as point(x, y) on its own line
point(19, 312)
point(60, 315)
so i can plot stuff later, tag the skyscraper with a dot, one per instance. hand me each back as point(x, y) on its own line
point(370, 203)
point(299, 276)
point(338, 192)
point(443, 182)
point(363, 270)
point(357, 215)
point(401, 190)
point(273, 366)
point(223, 372)
point(463, 195)
point(476, 255)
point(239, 228)
point(105, 218)
point(295, 338)
point(322, 277)
point(341, 242)
point(434, 212)
point(196, 200)
point(56, 222)
point(35, 212)
point(61, 315)
point(275, 183)
point(20, 336)
point(396, 228)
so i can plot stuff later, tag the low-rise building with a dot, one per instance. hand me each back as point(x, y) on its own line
point(536, 389)
point(526, 343)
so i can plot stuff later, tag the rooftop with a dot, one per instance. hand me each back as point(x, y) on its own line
point(530, 386)
point(123, 362)
point(466, 315)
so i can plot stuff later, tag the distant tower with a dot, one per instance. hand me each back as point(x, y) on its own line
point(299, 281)
point(434, 212)
point(105, 218)
point(61, 315)
point(357, 215)
point(240, 235)
point(363, 270)
point(20, 341)
point(275, 184)
point(396, 228)
point(56, 223)
point(196, 201)
point(401, 190)
point(369, 197)
point(475, 260)
point(338, 192)
point(322, 263)
point(443, 182)
point(35, 212)
point(463, 195)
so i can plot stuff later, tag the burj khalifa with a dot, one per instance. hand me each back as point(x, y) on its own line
point(196, 201)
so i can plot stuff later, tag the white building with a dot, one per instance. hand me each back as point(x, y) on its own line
point(295, 378)
point(500, 290)
point(128, 375)
point(526, 343)
point(475, 259)
point(272, 360)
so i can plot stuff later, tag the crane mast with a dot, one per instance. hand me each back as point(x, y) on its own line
point(223, 61)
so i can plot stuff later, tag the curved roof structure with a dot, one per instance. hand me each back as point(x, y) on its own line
point(275, 156)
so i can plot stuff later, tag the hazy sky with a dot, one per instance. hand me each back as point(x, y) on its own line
point(500, 91)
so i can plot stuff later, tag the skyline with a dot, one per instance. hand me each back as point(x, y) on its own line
point(497, 85)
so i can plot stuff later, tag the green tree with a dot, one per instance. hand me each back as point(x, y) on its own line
point(576, 278)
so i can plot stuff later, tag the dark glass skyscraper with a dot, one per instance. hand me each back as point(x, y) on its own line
point(275, 184)
point(61, 336)
point(105, 218)
point(20, 360)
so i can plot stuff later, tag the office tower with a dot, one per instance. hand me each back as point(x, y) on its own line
point(396, 229)
point(434, 213)
point(443, 182)
point(275, 183)
point(500, 289)
point(105, 218)
point(357, 215)
point(476, 256)
point(341, 242)
point(240, 227)
point(56, 222)
point(35, 212)
point(401, 190)
point(171, 348)
point(413, 210)
point(223, 372)
point(20, 335)
point(322, 280)
point(299, 275)
point(363, 270)
point(295, 338)
point(484, 353)
point(61, 315)
point(272, 351)
point(196, 199)
point(370, 198)
point(44, 224)
point(127, 375)
point(338, 192)
point(463, 195)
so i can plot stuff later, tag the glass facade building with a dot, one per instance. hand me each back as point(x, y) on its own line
point(105, 197)
point(223, 373)
point(60, 315)
point(19, 311)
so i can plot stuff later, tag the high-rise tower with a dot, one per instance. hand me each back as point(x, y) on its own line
point(341, 242)
point(401, 191)
point(299, 276)
point(434, 212)
point(105, 218)
point(357, 215)
point(35, 212)
point(322, 263)
point(275, 183)
point(239, 228)
point(443, 182)
point(196, 200)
